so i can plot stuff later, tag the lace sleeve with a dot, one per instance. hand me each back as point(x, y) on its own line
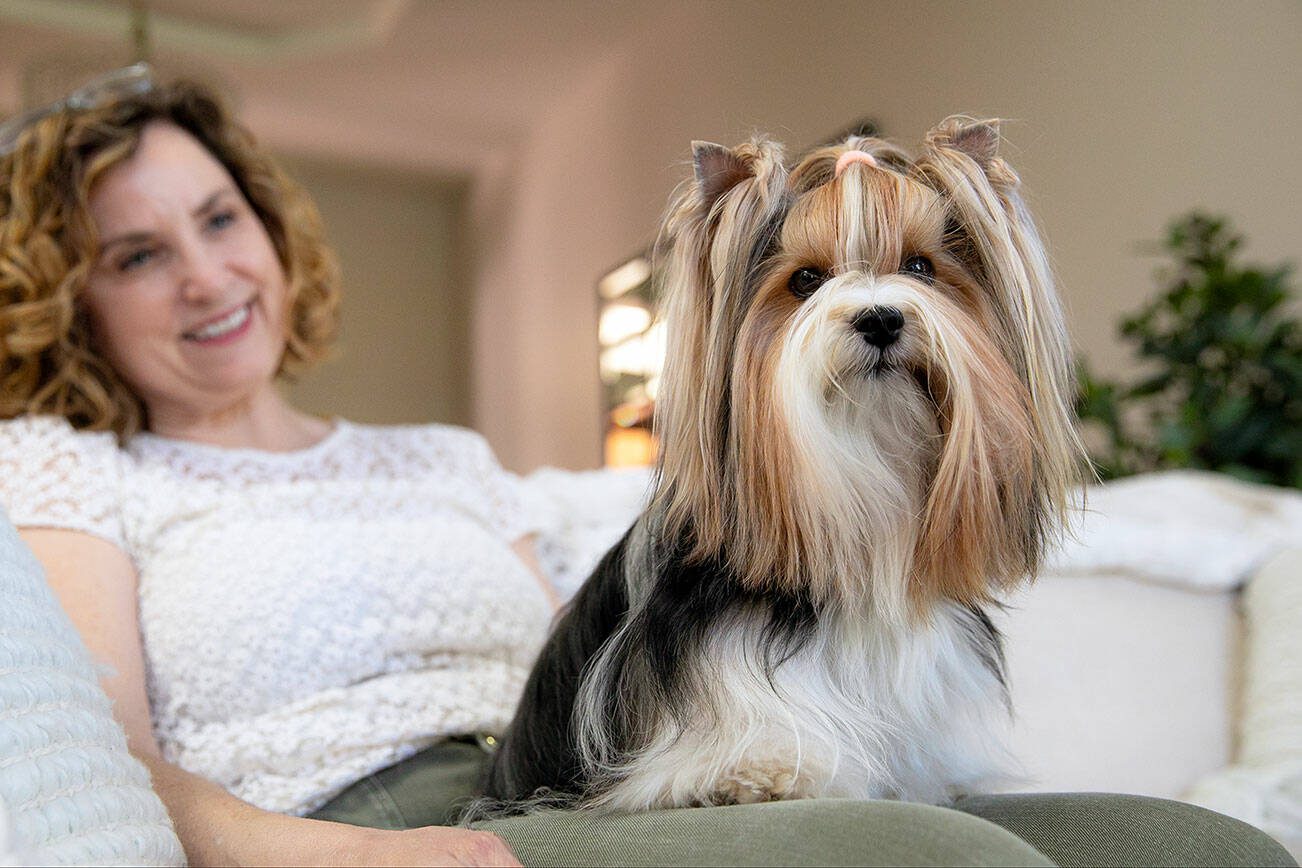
point(53, 476)
point(509, 513)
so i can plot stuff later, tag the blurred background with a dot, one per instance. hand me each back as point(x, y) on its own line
point(491, 172)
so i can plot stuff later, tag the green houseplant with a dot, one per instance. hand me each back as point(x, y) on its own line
point(1222, 363)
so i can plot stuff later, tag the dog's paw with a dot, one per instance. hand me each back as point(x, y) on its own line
point(747, 786)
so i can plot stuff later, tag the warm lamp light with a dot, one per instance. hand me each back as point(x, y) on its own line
point(631, 345)
point(624, 278)
point(620, 322)
point(630, 447)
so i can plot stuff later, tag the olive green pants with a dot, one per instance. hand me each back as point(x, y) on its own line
point(1041, 829)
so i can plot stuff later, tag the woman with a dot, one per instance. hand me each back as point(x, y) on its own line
point(159, 273)
point(293, 606)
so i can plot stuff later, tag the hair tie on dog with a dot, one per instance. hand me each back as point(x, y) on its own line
point(854, 157)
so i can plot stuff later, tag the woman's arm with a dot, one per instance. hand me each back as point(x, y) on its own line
point(96, 584)
point(524, 549)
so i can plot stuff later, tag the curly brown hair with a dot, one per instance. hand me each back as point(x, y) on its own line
point(48, 245)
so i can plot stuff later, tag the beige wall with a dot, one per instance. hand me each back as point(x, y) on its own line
point(404, 348)
point(1124, 115)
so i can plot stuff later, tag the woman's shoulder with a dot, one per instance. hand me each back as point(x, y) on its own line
point(40, 438)
point(52, 475)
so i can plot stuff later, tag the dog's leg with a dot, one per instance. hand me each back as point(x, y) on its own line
point(760, 782)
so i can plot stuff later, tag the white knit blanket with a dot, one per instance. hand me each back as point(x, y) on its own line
point(70, 793)
point(1264, 784)
point(579, 515)
point(1185, 528)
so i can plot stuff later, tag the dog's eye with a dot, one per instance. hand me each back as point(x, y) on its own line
point(919, 266)
point(803, 282)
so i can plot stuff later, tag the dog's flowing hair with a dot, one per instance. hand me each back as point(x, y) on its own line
point(866, 436)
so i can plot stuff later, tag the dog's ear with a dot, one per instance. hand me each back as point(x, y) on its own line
point(993, 232)
point(718, 170)
point(978, 140)
point(720, 220)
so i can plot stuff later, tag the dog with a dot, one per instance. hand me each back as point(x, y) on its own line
point(866, 438)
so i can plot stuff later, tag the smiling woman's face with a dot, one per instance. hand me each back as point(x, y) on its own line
point(187, 300)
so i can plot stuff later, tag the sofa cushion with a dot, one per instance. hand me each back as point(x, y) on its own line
point(1120, 685)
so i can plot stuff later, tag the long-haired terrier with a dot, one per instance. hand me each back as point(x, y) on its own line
point(866, 430)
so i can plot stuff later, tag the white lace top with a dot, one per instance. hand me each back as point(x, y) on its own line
point(307, 617)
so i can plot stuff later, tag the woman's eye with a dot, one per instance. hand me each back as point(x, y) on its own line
point(136, 259)
point(221, 219)
point(804, 281)
point(920, 266)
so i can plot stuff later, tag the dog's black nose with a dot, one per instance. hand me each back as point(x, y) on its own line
point(880, 326)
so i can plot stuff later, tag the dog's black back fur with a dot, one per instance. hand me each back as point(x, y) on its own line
point(539, 751)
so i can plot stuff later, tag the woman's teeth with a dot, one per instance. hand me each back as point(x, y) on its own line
point(223, 326)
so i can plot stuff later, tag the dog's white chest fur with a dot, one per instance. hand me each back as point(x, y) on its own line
point(863, 713)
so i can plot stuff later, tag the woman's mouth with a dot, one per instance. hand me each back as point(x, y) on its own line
point(225, 329)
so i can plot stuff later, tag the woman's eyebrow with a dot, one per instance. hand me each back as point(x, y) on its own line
point(141, 235)
point(135, 237)
point(211, 201)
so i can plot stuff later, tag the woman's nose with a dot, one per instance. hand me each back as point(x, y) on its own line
point(203, 275)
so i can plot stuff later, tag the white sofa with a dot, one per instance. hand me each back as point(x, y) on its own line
point(1126, 685)
point(1138, 664)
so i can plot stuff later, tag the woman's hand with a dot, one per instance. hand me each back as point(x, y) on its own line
point(428, 845)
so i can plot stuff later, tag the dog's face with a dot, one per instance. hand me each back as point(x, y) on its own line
point(868, 382)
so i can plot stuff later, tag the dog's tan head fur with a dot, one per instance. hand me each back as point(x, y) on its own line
point(935, 466)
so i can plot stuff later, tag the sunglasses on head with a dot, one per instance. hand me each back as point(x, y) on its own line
point(127, 81)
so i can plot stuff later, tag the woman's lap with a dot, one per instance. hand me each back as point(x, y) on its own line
point(429, 789)
point(810, 832)
point(1118, 829)
point(1023, 829)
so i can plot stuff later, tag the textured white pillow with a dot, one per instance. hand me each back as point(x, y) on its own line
point(1264, 785)
point(70, 793)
